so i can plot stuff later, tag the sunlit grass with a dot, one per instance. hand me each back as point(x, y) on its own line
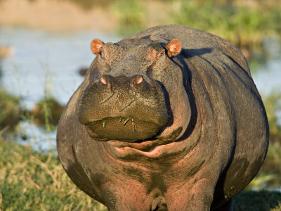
point(46, 113)
point(10, 111)
point(88, 4)
point(32, 181)
point(242, 25)
point(130, 15)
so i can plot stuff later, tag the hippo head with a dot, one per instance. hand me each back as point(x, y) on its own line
point(136, 91)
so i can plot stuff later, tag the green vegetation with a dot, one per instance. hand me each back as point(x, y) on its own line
point(32, 181)
point(10, 111)
point(88, 4)
point(47, 113)
point(130, 15)
point(241, 24)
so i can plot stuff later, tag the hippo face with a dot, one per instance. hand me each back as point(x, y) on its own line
point(133, 92)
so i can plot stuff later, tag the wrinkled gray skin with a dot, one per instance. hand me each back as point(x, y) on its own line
point(189, 137)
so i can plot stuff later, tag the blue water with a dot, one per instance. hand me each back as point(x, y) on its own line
point(45, 63)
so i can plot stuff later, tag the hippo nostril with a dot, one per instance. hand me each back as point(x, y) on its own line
point(104, 80)
point(136, 80)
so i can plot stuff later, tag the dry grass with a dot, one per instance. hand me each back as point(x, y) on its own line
point(31, 181)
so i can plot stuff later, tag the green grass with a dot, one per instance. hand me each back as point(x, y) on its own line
point(243, 25)
point(32, 181)
point(10, 111)
point(46, 113)
point(130, 15)
point(88, 4)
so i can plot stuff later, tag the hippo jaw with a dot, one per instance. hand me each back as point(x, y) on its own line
point(127, 129)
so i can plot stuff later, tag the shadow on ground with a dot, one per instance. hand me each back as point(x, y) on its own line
point(258, 201)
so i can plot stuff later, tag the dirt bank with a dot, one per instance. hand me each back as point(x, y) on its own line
point(55, 15)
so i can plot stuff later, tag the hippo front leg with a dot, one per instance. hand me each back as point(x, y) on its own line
point(201, 195)
point(193, 196)
point(126, 195)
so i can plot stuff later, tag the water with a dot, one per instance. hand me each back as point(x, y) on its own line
point(43, 64)
point(268, 76)
point(47, 63)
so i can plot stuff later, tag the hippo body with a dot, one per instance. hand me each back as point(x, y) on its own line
point(168, 119)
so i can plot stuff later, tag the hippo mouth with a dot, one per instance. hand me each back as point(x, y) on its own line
point(126, 129)
point(148, 144)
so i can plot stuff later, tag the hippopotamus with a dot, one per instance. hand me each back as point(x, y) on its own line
point(167, 119)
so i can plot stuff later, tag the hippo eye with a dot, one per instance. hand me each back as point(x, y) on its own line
point(149, 71)
point(155, 70)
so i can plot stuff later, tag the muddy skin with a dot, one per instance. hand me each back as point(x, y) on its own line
point(168, 119)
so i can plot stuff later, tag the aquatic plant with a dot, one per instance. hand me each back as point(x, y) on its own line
point(46, 113)
point(10, 111)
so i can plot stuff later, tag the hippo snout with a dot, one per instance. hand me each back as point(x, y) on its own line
point(135, 81)
point(126, 108)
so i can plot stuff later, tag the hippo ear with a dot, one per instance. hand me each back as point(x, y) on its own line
point(174, 47)
point(96, 46)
